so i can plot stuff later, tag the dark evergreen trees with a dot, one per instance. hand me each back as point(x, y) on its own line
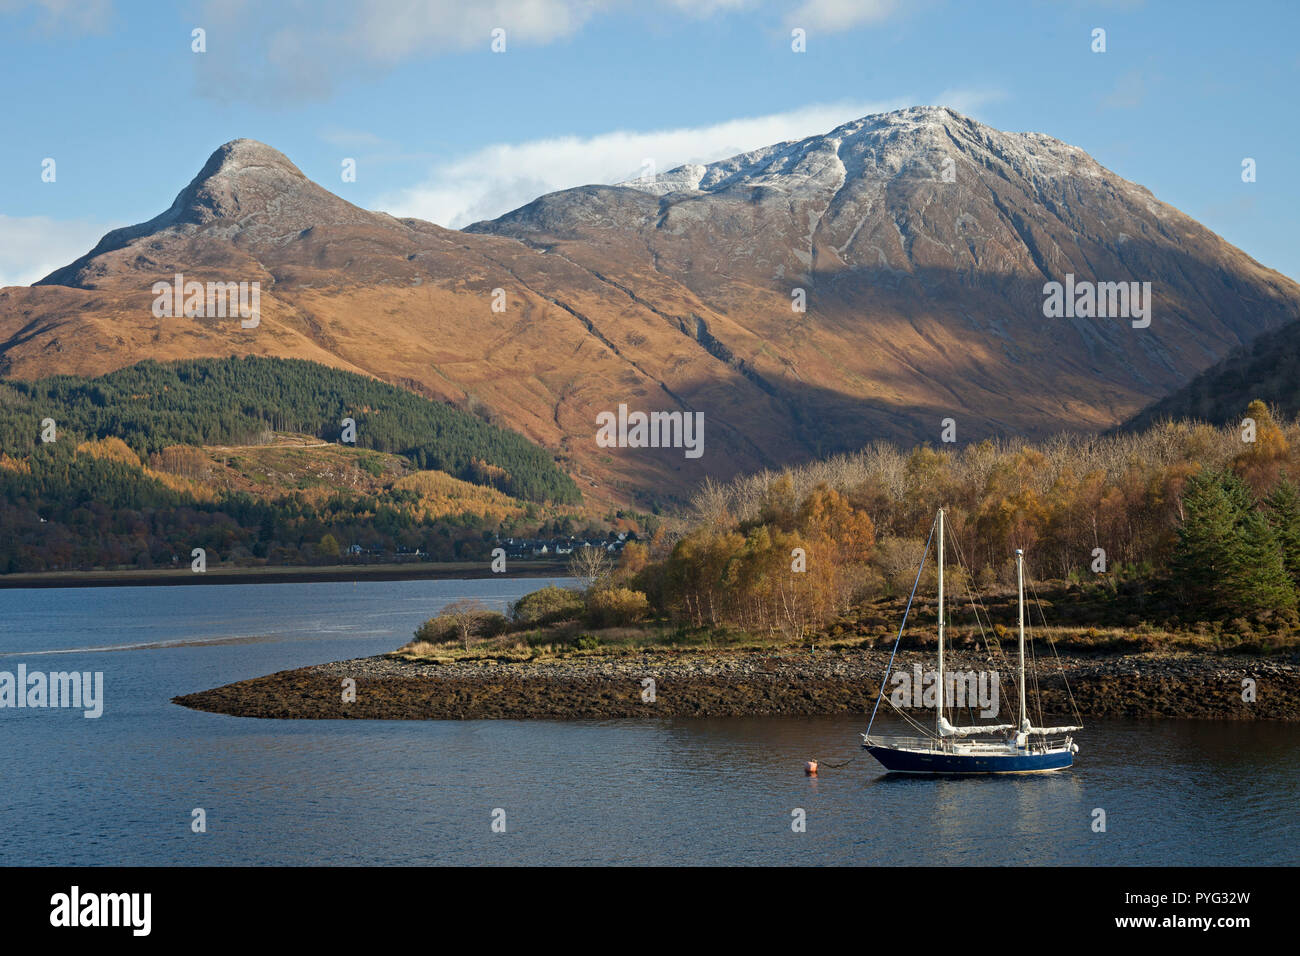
point(1284, 515)
point(1228, 562)
point(237, 401)
point(1208, 538)
point(1260, 580)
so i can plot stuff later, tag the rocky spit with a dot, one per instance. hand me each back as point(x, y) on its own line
point(724, 684)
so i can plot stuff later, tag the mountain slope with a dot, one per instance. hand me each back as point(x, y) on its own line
point(924, 296)
point(1268, 369)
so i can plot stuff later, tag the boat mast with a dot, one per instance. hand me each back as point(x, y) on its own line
point(938, 720)
point(1020, 588)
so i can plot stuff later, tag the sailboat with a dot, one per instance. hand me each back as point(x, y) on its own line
point(1004, 748)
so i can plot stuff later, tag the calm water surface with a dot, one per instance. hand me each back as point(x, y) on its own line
point(120, 789)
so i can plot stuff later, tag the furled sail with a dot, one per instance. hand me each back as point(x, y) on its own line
point(1027, 728)
point(948, 730)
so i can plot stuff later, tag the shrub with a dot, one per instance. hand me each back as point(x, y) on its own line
point(616, 607)
point(436, 630)
point(462, 621)
point(550, 605)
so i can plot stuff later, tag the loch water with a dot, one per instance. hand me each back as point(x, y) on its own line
point(122, 788)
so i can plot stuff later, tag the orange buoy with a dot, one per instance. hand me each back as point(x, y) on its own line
point(810, 768)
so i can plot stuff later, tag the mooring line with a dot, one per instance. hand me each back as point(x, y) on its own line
point(836, 766)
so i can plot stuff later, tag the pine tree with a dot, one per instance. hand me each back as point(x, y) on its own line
point(1209, 543)
point(1259, 579)
point(1237, 491)
point(1284, 516)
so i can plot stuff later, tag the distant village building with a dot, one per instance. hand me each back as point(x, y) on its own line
point(562, 546)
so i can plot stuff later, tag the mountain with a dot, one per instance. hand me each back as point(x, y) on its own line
point(1268, 369)
point(921, 241)
point(925, 296)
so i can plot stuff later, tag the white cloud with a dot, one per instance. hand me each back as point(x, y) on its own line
point(301, 50)
point(832, 16)
point(391, 30)
point(65, 16)
point(501, 177)
point(32, 247)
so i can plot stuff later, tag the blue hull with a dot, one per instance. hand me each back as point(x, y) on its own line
point(909, 761)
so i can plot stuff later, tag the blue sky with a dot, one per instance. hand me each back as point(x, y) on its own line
point(586, 90)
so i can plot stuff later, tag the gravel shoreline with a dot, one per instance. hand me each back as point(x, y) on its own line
point(720, 683)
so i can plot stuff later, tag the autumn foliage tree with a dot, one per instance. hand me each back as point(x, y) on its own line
point(1265, 452)
point(791, 569)
point(1201, 513)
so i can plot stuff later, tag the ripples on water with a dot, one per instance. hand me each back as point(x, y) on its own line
point(120, 789)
